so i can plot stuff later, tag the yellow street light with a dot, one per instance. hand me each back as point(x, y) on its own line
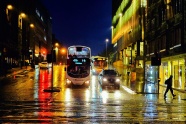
point(32, 25)
point(56, 44)
point(23, 15)
point(10, 7)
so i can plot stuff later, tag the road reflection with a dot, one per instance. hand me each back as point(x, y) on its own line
point(25, 99)
point(74, 102)
point(110, 94)
point(76, 94)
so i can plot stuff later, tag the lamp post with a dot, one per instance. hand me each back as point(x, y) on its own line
point(32, 45)
point(107, 40)
point(52, 88)
point(63, 51)
point(57, 52)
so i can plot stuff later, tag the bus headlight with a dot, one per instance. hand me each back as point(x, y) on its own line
point(104, 79)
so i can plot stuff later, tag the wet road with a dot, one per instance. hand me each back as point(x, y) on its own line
point(23, 100)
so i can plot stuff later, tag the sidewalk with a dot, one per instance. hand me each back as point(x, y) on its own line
point(14, 71)
point(141, 87)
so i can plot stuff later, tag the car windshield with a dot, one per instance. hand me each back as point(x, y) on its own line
point(110, 72)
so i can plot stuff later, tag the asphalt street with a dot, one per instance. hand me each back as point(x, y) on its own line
point(26, 102)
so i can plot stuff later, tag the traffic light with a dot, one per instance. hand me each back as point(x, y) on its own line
point(54, 55)
point(155, 61)
point(51, 57)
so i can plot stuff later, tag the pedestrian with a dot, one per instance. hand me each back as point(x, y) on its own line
point(169, 86)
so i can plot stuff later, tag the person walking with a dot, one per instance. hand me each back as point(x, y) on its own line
point(169, 86)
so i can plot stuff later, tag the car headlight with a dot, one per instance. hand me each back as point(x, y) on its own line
point(117, 80)
point(68, 81)
point(104, 79)
point(86, 82)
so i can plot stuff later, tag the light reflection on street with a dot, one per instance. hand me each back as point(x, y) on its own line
point(92, 104)
point(43, 82)
point(68, 95)
point(117, 94)
point(93, 86)
point(104, 96)
point(110, 94)
point(87, 95)
point(128, 90)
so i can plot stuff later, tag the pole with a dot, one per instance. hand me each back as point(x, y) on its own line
point(131, 55)
point(158, 79)
point(107, 40)
point(52, 70)
point(52, 89)
point(106, 49)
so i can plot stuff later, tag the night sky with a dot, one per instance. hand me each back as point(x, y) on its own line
point(81, 22)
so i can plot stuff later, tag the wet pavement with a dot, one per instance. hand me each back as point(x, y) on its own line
point(86, 105)
point(149, 108)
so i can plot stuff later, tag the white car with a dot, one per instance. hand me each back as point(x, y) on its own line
point(43, 65)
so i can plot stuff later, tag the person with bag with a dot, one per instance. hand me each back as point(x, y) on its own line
point(168, 82)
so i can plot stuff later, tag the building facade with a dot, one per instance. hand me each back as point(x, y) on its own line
point(165, 37)
point(145, 29)
point(26, 32)
point(128, 39)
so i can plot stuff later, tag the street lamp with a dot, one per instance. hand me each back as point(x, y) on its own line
point(56, 44)
point(32, 44)
point(63, 51)
point(56, 51)
point(10, 7)
point(32, 25)
point(107, 40)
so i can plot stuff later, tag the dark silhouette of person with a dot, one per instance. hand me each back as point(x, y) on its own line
point(169, 87)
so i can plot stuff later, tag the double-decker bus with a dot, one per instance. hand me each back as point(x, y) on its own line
point(98, 63)
point(78, 65)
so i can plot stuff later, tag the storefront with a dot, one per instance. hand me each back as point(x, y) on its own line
point(174, 65)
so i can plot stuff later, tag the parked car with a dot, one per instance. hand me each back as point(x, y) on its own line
point(109, 78)
point(43, 65)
